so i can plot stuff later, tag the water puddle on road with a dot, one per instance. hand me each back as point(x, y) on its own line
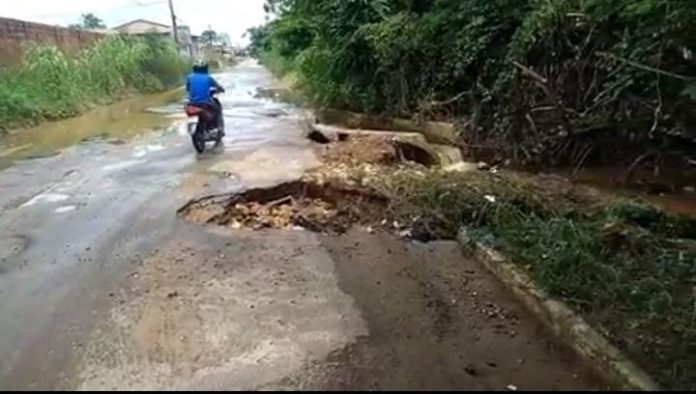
point(117, 122)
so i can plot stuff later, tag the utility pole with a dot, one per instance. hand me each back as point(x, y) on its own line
point(175, 29)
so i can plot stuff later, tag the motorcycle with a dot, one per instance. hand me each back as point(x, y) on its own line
point(202, 125)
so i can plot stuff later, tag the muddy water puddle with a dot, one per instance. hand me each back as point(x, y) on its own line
point(115, 123)
point(671, 198)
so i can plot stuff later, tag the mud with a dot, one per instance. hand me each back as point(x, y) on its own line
point(360, 150)
point(436, 321)
point(354, 149)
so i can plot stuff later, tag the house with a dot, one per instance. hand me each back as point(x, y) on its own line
point(187, 46)
point(143, 26)
point(196, 44)
point(107, 32)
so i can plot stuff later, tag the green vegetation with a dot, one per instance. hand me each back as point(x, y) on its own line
point(89, 21)
point(626, 266)
point(540, 81)
point(52, 85)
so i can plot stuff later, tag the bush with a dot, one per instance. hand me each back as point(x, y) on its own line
point(619, 74)
point(52, 85)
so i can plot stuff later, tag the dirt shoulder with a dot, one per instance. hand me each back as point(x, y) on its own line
point(436, 321)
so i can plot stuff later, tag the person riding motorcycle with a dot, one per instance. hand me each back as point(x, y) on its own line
point(199, 86)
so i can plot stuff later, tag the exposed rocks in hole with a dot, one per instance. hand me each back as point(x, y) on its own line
point(319, 208)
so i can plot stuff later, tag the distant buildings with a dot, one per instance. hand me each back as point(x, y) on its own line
point(142, 26)
point(188, 43)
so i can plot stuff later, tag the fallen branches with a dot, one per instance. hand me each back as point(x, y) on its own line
point(543, 83)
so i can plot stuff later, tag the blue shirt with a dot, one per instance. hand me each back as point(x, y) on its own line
point(199, 85)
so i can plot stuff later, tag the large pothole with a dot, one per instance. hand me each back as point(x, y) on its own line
point(329, 208)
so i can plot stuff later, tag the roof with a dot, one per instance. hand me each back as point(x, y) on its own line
point(140, 21)
point(141, 26)
point(104, 31)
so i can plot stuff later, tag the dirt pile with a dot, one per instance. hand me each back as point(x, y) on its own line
point(360, 149)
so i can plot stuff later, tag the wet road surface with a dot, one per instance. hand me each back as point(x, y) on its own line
point(103, 287)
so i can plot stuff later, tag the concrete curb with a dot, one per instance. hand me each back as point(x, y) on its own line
point(607, 360)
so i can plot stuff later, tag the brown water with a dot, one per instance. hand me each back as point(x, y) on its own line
point(681, 201)
point(123, 120)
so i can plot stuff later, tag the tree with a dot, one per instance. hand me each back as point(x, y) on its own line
point(209, 36)
point(89, 21)
point(224, 39)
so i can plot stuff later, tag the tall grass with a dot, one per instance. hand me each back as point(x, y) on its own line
point(51, 85)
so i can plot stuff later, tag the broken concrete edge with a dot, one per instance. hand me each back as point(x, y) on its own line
point(445, 155)
point(608, 361)
point(332, 133)
point(434, 132)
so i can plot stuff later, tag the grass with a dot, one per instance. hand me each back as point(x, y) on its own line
point(52, 85)
point(629, 268)
point(276, 63)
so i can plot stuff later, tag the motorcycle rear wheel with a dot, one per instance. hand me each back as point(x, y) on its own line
point(198, 142)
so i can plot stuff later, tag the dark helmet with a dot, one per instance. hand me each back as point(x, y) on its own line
point(200, 66)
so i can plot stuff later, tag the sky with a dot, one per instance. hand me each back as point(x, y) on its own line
point(233, 17)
